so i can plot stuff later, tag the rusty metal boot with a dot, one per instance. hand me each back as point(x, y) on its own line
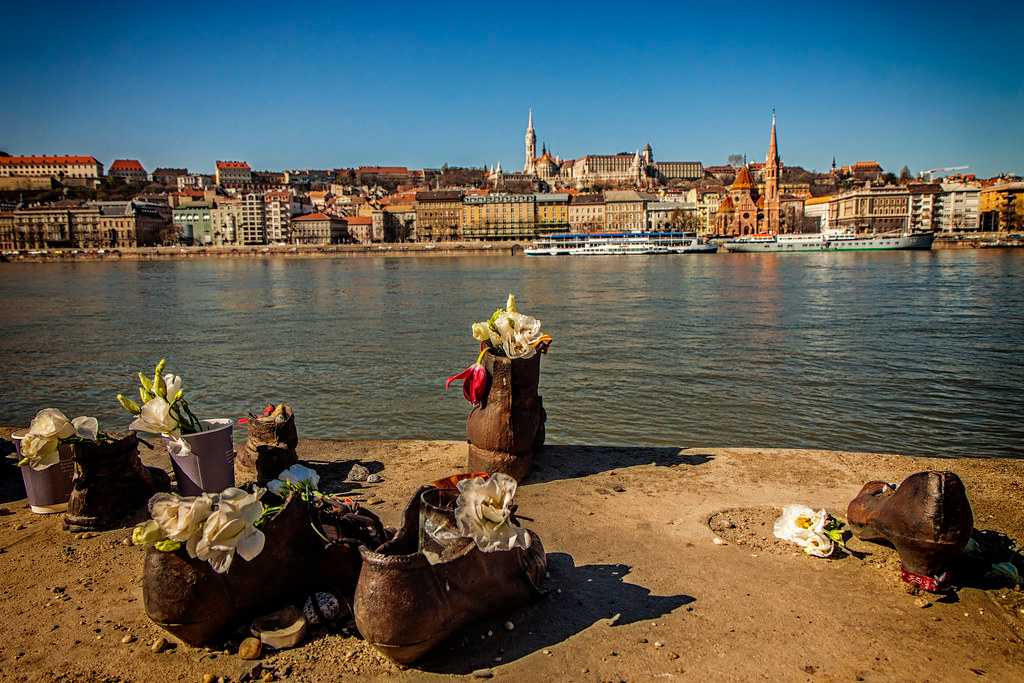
point(187, 597)
point(110, 484)
point(927, 518)
point(506, 431)
point(405, 606)
point(270, 448)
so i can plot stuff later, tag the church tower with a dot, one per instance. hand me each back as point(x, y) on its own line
point(772, 200)
point(531, 147)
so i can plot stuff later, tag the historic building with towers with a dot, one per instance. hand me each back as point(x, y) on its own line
point(637, 169)
point(746, 211)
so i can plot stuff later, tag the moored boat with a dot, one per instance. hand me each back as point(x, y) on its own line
point(831, 240)
point(620, 244)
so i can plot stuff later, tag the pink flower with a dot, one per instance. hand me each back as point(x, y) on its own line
point(475, 381)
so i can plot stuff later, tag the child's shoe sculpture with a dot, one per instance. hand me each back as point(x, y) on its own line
point(110, 484)
point(927, 518)
point(270, 448)
point(404, 605)
point(506, 431)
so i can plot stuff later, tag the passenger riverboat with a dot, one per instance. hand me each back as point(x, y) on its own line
point(620, 244)
point(831, 240)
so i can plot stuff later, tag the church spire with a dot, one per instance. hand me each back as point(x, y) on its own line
point(529, 125)
point(773, 145)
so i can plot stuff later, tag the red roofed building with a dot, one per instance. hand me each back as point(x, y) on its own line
point(51, 167)
point(318, 228)
point(235, 174)
point(129, 169)
point(371, 175)
point(360, 228)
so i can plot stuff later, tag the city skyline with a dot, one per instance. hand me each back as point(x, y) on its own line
point(420, 87)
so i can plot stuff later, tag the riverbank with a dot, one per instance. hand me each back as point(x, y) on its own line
point(638, 588)
point(345, 250)
point(289, 251)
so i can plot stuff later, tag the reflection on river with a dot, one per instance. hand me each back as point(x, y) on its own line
point(901, 352)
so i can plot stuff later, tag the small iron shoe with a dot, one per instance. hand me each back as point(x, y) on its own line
point(405, 606)
point(927, 518)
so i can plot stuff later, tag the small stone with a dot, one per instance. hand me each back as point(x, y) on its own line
point(483, 673)
point(619, 488)
point(658, 643)
point(922, 603)
point(59, 589)
point(267, 676)
point(358, 473)
point(250, 648)
point(374, 479)
point(207, 678)
point(126, 541)
point(717, 541)
point(158, 645)
point(509, 626)
point(673, 655)
point(128, 639)
point(642, 640)
point(547, 652)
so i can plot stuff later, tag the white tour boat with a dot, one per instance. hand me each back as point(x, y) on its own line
point(831, 240)
point(619, 244)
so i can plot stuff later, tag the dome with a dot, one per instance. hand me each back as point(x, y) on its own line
point(743, 181)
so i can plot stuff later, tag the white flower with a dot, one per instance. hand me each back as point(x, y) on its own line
point(40, 452)
point(51, 424)
point(483, 512)
point(295, 477)
point(231, 528)
point(181, 518)
point(173, 383)
point(517, 332)
point(155, 418)
point(86, 427)
point(483, 332)
point(41, 444)
point(803, 526)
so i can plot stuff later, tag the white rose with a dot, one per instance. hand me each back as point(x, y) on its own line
point(818, 545)
point(804, 527)
point(181, 519)
point(231, 528)
point(296, 476)
point(40, 452)
point(173, 383)
point(155, 418)
point(483, 512)
point(86, 427)
point(51, 424)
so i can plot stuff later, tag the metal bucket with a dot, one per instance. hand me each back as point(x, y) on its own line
point(49, 490)
point(210, 467)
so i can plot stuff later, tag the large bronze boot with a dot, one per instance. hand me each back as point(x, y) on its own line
point(110, 484)
point(270, 448)
point(506, 431)
point(927, 518)
point(405, 606)
point(185, 596)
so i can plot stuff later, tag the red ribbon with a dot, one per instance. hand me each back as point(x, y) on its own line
point(932, 584)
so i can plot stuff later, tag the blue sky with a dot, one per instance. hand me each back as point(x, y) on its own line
point(294, 85)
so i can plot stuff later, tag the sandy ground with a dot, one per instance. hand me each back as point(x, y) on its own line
point(639, 590)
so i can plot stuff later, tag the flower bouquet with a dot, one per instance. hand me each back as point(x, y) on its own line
point(217, 559)
point(819, 533)
point(45, 454)
point(506, 426)
point(202, 452)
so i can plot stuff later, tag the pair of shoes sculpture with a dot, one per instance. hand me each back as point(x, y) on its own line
point(927, 518)
point(402, 604)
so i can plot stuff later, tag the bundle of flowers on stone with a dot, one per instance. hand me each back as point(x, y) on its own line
point(164, 409)
point(485, 512)
point(211, 527)
point(40, 447)
point(818, 533)
point(507, 333)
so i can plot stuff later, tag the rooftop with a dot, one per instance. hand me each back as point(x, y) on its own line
point(127, 165)
point(40, 160)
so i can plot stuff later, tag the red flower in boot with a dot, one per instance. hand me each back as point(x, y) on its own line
point(475, 381)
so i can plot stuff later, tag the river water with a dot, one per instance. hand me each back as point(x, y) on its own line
point(909, 352)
